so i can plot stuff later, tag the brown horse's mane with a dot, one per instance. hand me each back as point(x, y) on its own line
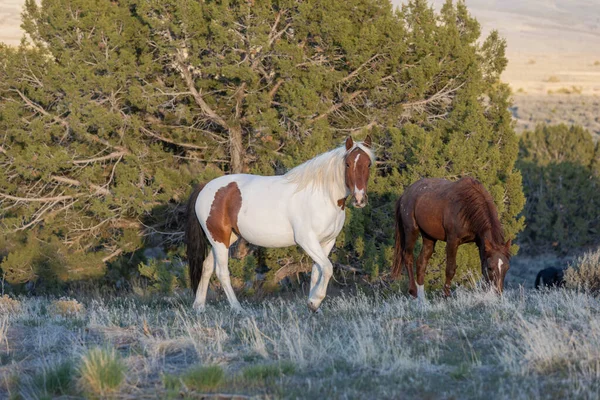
point(477, 209)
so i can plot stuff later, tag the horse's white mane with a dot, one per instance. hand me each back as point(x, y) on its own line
point(325, 171)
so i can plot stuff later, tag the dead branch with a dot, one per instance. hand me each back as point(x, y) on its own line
point(357, 70)
point(275, 88)
point(170, 141)
point(291, 269)
point(112, 255)
point(111, 156)
point(40, 199)
point(73, 182)
point(349, 269)
point(337, 106)
point(184, 70)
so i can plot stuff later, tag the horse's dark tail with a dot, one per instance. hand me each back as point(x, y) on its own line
point(537, 280)
point(196, 240)
point(399, 245)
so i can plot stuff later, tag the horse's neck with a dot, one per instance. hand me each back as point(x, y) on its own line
point(480, 239)
point(332, 194)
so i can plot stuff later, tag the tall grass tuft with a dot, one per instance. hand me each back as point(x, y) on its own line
point(102, 372)
point(56, 380)
point(259, 374)
point(204, 378)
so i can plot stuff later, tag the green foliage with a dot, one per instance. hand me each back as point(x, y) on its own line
point(111, 110)
point(562, 187)
point(164, 276)
point(259, 374)
point(203, 378)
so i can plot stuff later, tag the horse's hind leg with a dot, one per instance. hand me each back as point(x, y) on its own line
point(411, 234)
point(208, 267)
point(222, 258)
point(426, 252)
point(451, 249)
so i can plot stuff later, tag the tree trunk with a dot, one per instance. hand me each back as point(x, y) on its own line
point(236, 149)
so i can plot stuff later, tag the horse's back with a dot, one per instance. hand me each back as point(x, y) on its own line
point(269, 209)
point(430, 203)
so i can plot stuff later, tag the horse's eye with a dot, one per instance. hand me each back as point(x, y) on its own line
point(348, 165)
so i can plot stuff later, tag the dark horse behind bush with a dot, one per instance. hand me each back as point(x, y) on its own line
point(457, 213)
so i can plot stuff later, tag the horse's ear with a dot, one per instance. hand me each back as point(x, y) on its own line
point(508, 244)
point(487, 246)
point(367, 141)
point(349, 143)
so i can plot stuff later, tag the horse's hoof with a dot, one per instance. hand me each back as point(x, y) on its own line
point(239, 310)
point(312, 307)
point(413, 292)
point(199, 308)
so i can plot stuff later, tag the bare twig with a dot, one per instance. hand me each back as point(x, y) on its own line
point(111, 156)
point(337, 106)
point(357, 70)
point(170, 141)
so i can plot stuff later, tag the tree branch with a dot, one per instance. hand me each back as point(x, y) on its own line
point(357, 70)
point(337, 106)
point(112, 255)
point(111, 156)
point(275, 88)
point(189, 80)
point(40, 199)
point(74, 182)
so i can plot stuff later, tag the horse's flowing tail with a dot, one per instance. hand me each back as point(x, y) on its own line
point(399, 245)
point(196, 240)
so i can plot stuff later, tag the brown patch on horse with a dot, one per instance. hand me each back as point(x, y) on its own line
point(342, 203)
point(223, 216)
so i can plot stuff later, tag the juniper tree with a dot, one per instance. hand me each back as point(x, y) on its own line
point(111, 111)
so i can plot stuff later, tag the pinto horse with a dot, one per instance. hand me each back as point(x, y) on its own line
point(457, 213)
point(303, 207)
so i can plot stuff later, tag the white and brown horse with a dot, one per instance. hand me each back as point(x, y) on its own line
point(303, 207)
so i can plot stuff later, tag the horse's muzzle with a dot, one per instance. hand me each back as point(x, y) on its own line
point(364, 200)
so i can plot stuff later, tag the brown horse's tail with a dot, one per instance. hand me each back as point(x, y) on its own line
point(196, 241)
point(399, 245)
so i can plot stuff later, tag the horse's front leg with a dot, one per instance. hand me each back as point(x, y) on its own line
point(315, 275)
point(451, 249)
point(323, 266)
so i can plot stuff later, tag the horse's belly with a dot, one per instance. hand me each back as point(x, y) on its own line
point(266, 230)
point(263, 218)
point(430, 221)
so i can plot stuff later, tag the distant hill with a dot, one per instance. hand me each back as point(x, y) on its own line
point(554, 57)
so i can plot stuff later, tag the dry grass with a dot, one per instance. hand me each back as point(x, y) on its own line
point(565, 105)
point(9, 305)
point(552, 79)
point(584, 273)
point(66, 307)
point(526, 344)
point(4, 333)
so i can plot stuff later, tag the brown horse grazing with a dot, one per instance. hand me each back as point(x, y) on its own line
point(455, 212)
